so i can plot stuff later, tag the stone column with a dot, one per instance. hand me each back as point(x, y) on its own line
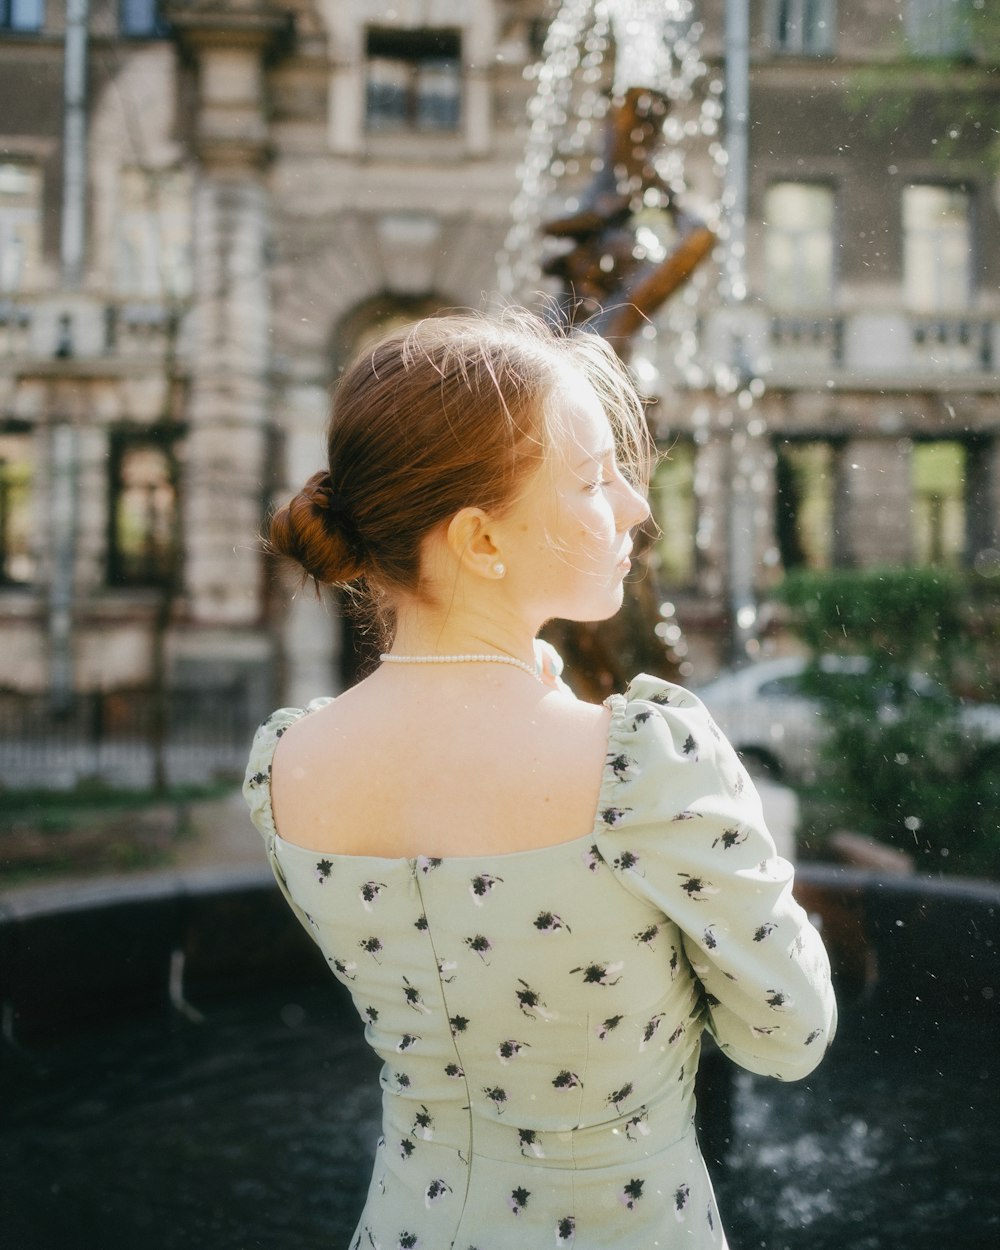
point(478, 107)
point(873, 503)
point(346, 108)
point(226, 450)
point(346, 95)
point(312, 632)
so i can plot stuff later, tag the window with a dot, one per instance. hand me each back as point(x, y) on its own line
point(143, 513)
point(20, 227)
point(937, 247)
point(674, 506)
point(803, 26)
point(154, 234)
point(17, 563)
point(140, 19)
point(938, 27)
point(22, 14)
point(414, 80)
point(798, 245)
point(938, 476)
point(805, 486)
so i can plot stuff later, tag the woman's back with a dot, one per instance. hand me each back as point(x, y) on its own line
point(539, 1012)
point(478, 762)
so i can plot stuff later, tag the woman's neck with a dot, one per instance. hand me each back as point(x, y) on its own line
point(422, 631)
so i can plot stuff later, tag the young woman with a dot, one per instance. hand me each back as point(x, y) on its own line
point(537, 904)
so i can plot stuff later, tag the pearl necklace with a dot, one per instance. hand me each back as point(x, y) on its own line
point(388, 658)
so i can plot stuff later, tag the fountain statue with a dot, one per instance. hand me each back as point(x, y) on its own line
point(623, 247)
point(619, 270)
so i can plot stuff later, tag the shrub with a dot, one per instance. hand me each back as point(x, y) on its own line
point(900, 762)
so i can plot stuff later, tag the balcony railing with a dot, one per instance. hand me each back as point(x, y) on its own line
point(46, 327)
point(886, 341)
point(802, 340)
point(952, 343)
point(15, 328)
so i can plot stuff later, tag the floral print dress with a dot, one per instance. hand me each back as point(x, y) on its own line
point(539, 1014)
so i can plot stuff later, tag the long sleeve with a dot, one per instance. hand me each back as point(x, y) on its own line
point(685, 831)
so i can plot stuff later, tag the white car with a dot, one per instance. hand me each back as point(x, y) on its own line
point(778, 730)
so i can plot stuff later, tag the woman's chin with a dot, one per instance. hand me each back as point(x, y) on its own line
point(593, 614)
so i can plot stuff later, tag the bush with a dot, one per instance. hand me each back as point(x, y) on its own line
point(900, 763)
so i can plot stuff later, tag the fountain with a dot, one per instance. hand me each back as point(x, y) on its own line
point(616, 220)
point(178, 1068)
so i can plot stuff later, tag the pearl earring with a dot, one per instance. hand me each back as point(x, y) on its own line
point(499, 568)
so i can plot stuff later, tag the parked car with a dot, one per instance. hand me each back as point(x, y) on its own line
point(778, 728)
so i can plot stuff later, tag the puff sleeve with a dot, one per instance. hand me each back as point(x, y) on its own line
point(257, 793)
point(682, 828)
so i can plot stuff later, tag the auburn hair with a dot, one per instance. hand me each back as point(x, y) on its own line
point(449, 412)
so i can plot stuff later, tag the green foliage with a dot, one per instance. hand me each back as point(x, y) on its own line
point(897, 617)
point(899, 763)
point(953, 98)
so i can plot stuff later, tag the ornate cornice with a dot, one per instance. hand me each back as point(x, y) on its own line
point(231, 23)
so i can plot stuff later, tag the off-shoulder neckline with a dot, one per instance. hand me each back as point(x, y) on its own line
point(617, 705)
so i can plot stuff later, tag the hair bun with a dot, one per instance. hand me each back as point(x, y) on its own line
point(314, 529)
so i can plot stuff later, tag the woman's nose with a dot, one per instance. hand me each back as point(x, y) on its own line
point(634, 507)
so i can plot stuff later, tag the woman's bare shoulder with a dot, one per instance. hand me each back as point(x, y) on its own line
point(371, 774)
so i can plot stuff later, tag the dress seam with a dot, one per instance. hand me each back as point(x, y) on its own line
point(454, 1046)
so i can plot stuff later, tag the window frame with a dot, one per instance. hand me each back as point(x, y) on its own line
point(9, 24)
point(796, 305)
point(673, 577)
point(949, 556)
point(155, 574)
point(154, 28)
point(21, 431)
point(931, 35)
point(164, 231)
point(411, 49)
point(31, 213)
point(806, 41)
point(784, 446)
point(963, 304)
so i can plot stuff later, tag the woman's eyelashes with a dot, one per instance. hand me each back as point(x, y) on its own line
point(604, 474)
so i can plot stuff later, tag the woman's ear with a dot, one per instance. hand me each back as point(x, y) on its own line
point(471, 542)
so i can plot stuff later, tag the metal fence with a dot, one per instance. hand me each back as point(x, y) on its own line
point(123, 738)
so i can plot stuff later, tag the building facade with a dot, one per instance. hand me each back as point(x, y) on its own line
point(206, 207)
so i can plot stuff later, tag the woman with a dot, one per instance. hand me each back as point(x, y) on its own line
point(537, 904)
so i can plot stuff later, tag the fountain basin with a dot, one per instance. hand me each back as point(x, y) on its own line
point(180, 1069)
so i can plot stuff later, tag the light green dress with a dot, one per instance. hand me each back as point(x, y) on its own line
point(540, 1013)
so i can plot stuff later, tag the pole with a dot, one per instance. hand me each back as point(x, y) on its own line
point(742, 608)
point(74, 197)
point(737, 61)
point(63, 501)
point(64, 447)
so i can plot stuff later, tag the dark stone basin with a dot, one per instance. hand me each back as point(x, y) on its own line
point(180, 1070)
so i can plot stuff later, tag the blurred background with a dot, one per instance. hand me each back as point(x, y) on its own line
point(784, 215)
point(206, 208)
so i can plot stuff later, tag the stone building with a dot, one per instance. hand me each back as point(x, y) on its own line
point(263, 184)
